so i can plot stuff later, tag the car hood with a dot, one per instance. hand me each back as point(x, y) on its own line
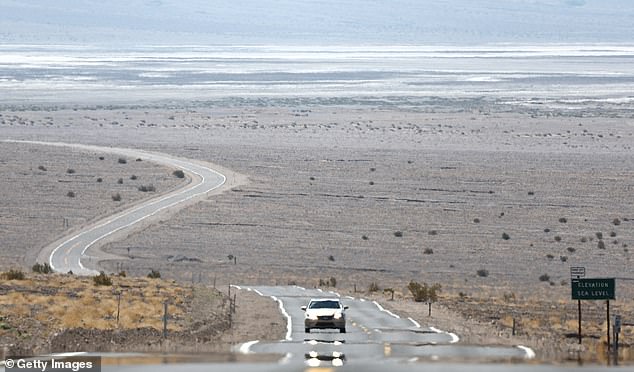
point(322, 312)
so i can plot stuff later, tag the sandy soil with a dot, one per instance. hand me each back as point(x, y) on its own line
point(388, 194)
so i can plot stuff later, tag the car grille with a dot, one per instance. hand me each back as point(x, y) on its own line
point(326, 317)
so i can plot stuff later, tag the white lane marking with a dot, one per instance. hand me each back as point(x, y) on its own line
point(319, 290)
point(454, 337)
point(245, 348)
point(335, 293)
point(164, 159)
point(362, 299)
point(302, 288)
point(150, 203)
point(530, 354)
point(378, 331)
point(350, 297)
point(416, 324)
point(386, 311)
point(289, 322)
point(70, 354)
point(286, 359)
point(236, 286)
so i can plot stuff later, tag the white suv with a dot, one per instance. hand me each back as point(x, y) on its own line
point(324, 313)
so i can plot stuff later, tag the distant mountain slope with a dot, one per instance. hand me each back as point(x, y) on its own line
point(312, 22)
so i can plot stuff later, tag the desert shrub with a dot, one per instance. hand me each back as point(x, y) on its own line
point(133, 177)
point(116, 197)
point(571, 249)
point(101, 158)
point(331, 258)
point(601, 244)
point(433, 232)
point(476, 220)
point(44, 268)
point(563, 258)
point(373, 287)
point(102, 279)
point(550, 256)
point(372, 169)
point(120, 181)
point(99, 180)
point(178, 173)
point(616, 222)
point(398, 234)
point(70, 171)
point(423, 292)
point(139, 159)
point(563, 220)
point(544, 278)
point(613, 234)
point(371, 183)
point(333, 281)
point(428, 251)
point(311, 178)
point(364, 237)
point(546, 230)
point(147, 188)
point(483, 273)
point(531, 193)
point(42, 168)
point(599, 235)
point(557, 238)
point(506, 236)
point(584, 239)
point(154, 274)
point(122, 274)
point(70, 194)
point(13, 274)
point(122, 161)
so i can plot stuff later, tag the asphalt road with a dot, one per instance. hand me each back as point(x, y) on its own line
point(68, 253)
point(373, 334)
point(376, 341)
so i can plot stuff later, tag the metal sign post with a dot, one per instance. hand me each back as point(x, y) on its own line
point(578, 272)
point(617, 330)
point(593, 289)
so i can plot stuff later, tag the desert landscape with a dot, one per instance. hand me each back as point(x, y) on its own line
point(492, 201)
point(175, 173)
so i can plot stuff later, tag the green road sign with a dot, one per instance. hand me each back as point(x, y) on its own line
point(593, 289)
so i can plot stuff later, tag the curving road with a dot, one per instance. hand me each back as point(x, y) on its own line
point(374, 335)
point(67, 253)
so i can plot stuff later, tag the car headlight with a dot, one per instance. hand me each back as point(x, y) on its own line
point(311, 316)
point(338, 315)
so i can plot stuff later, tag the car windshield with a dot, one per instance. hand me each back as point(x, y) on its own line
point(324, 305)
